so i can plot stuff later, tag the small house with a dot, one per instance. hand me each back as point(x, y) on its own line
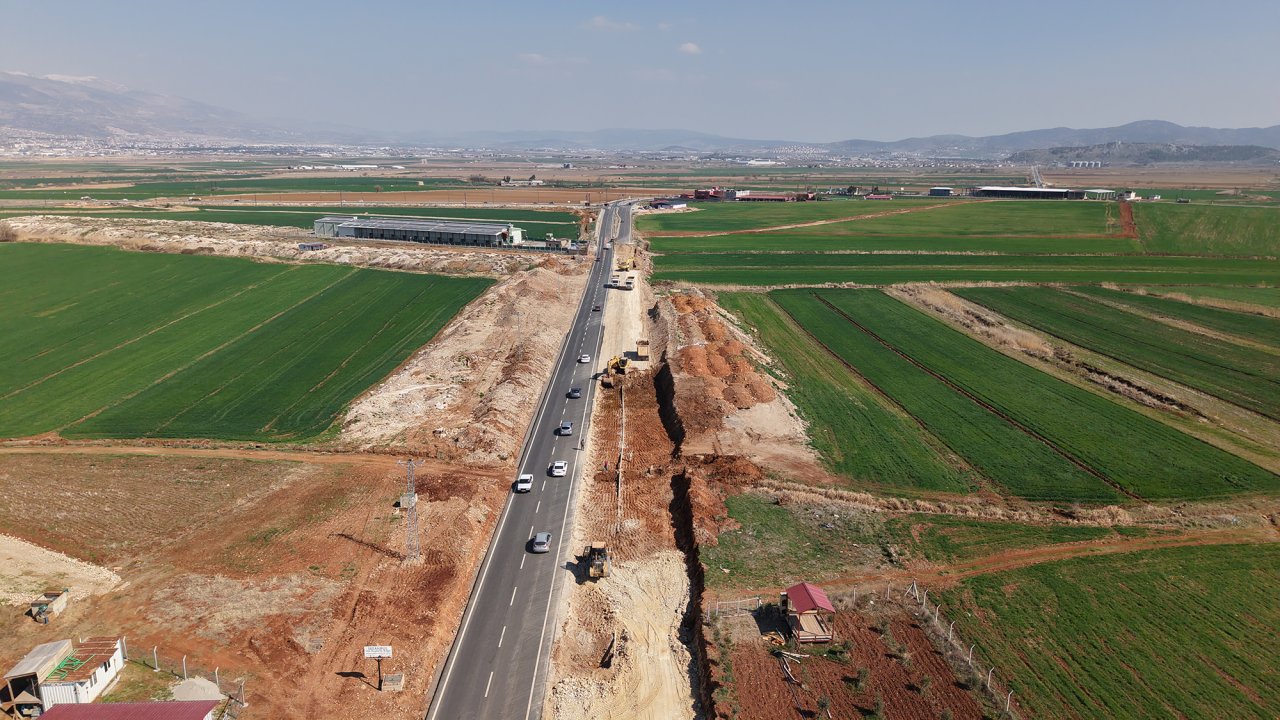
point(62, 672)
point(810, 615)
point(311, 246)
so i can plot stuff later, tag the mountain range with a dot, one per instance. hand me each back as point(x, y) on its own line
point(91, 108)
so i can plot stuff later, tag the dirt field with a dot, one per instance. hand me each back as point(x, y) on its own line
point(887, 647)
point(478, 197)
point(1161, 177)
point(279, 571)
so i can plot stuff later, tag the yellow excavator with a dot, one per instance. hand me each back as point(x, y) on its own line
point(617, 365)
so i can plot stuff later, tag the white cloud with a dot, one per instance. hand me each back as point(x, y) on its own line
point(601, 22)
point(690, 48)
point(534, 59)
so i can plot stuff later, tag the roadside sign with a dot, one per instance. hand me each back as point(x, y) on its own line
point(377, 651)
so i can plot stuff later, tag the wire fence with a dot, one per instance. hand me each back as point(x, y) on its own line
point(732, 607)
point(230, 685)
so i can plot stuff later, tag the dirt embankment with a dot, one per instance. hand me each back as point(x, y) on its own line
point(726, 406)
point(468, 394)
point(268, 243)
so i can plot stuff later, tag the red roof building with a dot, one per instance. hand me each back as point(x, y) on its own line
point(803, 597)
point(177, 710)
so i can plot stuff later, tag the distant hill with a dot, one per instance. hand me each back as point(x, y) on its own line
point(1126, 153)
point(92, 108)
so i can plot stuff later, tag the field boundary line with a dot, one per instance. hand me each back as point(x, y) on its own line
point(148, 333)
point(204, 355)
point(982, 403)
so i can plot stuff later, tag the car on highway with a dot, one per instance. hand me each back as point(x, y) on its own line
point(559, 468)
point(595, 308)
point(541, 542)
point(575, 393)
point(584, 358)
point(566, 428)
point(524, 483)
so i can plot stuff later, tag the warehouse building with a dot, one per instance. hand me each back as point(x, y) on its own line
point(1028, 193)
point(419, 230)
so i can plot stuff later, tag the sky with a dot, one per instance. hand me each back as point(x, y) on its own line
point(814, 71)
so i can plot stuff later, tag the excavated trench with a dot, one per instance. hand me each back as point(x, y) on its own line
point(682, 525)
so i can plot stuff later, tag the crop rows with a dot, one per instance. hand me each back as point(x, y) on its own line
point(1145, 457)
point(804, 241)
point(1208, 229)
point(180, 346)
point(857, 435)
point(1258, 328)
point(1013, 459)
point(1242, 375)
point(1186, 632)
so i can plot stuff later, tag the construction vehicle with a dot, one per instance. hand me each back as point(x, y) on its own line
point(624, 265)
point(617, 365)
point(599, 564)
point(642, 349)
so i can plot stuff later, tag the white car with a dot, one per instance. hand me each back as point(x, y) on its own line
point(584, 358)
point(559, 468)
point(524, 483)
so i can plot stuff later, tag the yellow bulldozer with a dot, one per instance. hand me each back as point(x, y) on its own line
point(599, 564)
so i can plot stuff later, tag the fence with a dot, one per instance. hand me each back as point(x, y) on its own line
point(232, 688)
point(733, 607)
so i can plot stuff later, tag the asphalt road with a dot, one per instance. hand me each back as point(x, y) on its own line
point(497, 668)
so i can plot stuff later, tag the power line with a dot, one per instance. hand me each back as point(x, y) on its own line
point(409, 501)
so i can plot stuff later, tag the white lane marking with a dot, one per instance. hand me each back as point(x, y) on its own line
point(513, 596)
point(486, 685)
point(522, 559)
point(544, 486)
point(503, 635)
point(530, 531)
point(537, 507)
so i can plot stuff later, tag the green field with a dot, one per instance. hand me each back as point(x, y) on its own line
point(1208, 229)
point(536, 223)
point(1182, 632)
point(232, 185)
point(798, 241)
point(722, 216)
point(1007, 456)
point(1258, 328)
point(1242, 375)
point(106, 343)
point(855, 432)
point(944, 539)
point(763, 269)
point(1145, 457)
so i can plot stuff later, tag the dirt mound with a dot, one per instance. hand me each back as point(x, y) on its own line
point(467, 395)
point(725, 404)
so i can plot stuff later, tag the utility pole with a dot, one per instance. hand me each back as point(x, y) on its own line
point(409, 501)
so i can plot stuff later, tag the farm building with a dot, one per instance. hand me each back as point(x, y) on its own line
point(170, 710)
point(419, 230)
point(311, 246)
point(939, 192)
point(808, 613)
point(61, 672)
point(1028, 193)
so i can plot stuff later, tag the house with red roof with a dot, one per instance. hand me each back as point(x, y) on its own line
point(810, 614)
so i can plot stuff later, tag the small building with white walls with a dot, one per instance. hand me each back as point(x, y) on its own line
point(62, 672)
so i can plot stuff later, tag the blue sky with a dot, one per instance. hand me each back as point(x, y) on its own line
point(816, 71)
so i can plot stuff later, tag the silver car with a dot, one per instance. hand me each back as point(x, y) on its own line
point(541, 542)
point(566, 427)
point(559, 468)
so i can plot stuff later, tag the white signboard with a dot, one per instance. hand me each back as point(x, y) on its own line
point(377, 651)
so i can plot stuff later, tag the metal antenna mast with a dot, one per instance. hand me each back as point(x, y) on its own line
point(409, 501)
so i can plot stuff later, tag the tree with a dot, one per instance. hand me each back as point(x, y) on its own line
point(824, 704)
point(7, 233)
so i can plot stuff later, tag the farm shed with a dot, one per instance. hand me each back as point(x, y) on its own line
point(50, 603)
point(808, 613)
point(62, 672)
point(309, 246)
point(939, 192)
point(172, 710)
point(1028, 193)
point(419, 230)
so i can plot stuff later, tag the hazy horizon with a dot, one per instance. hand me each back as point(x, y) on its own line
point(750, 70)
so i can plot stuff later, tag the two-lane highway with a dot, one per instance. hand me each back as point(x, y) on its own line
point(497, 667)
